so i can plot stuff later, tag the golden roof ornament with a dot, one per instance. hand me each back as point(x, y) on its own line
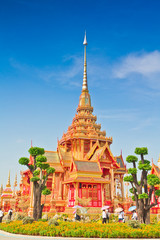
point(1, 189)
point(15, 182)
point(8, 183)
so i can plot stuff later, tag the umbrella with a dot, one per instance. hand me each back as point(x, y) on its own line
point(132, 208)
point(119, 209)
point(77, 206)
point(105, 207)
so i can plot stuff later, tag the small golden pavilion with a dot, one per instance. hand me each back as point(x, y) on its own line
point(84, 164)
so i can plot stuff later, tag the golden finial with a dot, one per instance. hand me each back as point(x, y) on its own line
point(1, 189)
point(85, 85)
point(8, 183)
point(15, 182)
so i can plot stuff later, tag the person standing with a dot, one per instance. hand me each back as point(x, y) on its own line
point(10, 213)
point(107, 215)
point(134, 216)
point(103, 216)
point(1, 215)
point(121, 216)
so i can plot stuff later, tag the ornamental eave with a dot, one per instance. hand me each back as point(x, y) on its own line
point(65, 139)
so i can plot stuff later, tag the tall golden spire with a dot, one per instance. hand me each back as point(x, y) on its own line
point(1, 189)
point(85, 85)
point(8, 183)
point(15, 181)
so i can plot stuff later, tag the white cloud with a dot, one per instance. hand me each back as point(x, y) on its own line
point(119, 114)
point(144, 123)
point(144, 67)
point(134, 118)
point(138, 69)
point(70, 73)
point(145, 64)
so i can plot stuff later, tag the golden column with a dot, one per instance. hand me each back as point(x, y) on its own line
point(60, 187)
point(76, 193)
point(122, 187)
point(112, 183)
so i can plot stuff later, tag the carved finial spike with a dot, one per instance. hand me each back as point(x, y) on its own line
point(1, 189)
point(85, 39)
point(15, 182)
point(8, 182)
point(85, 85)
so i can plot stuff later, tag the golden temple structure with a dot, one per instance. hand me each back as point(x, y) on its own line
point(84, 165)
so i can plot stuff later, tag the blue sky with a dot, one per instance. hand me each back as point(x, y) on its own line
point(41, 72)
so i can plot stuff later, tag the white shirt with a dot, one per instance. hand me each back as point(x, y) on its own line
point(10, 211)
point(107, 214)
point(134, 216)
point(121, 215)
point(103, 214)
point(1, 213)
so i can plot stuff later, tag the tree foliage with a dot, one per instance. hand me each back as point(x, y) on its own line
point(35, 151)
point(24, 161)
point(141, 151)
point(144, 188)
point(131, 158)
point(41, 158)
point(46, 191)
point(132, 170)
point(153, 180)
point(128, 178)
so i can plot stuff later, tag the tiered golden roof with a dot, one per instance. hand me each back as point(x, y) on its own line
point(84, 124)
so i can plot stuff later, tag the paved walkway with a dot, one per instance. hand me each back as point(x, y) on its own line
point(10, 236)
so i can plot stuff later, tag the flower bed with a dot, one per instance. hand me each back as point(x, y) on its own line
point(78, 229)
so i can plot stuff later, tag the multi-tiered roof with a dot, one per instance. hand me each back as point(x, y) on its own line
point(84, 146)
point(84, 124)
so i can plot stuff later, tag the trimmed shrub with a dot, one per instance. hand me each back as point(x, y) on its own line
point(19, 217)
point(134, 224)
point(8, 221)
point(53, 222)
point(27, 219)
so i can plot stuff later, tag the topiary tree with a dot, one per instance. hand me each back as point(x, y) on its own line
point(142, 190)
point(39, 179)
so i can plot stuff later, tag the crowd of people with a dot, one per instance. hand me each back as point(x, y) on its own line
point(105, 215)
point(121, 218)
